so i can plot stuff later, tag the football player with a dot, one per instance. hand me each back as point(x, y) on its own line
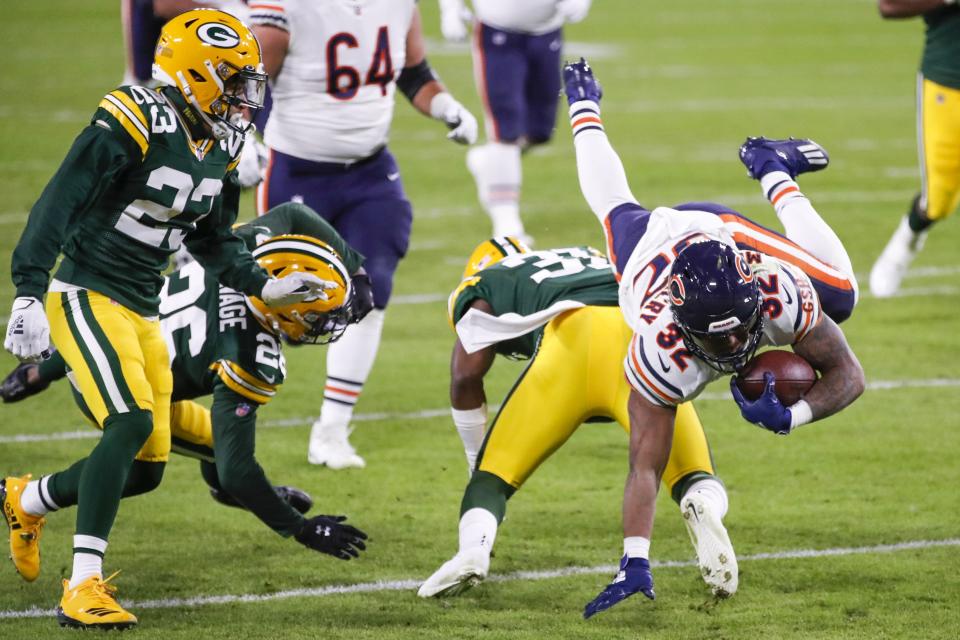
point(516, 55)
point(335, 67)
point(938, 137)
point(228, 345)
point(557, 308)
point(702, 287)
point(154, 169)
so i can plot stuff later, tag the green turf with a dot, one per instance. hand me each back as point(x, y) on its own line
point(685, 82)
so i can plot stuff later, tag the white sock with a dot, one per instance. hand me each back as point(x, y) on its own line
point(802, 224)
point(478, 528)
point(86, 564)
point(36, 498)
point(713, 492)
point(498, 172)
point(349, 361)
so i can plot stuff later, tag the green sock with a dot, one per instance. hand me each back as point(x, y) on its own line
point(489, 492)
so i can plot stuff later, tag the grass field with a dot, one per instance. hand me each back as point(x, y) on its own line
point(685, 83)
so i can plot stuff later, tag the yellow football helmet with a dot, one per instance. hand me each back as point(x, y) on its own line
point(315, 321)
point(493, 251)
point(214, 60)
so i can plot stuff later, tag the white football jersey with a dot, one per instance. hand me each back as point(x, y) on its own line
point(333, 99)
point(524, 16)
point(657, 364)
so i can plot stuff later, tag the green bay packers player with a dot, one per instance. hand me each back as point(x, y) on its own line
point(153, 170)
point(938, 137)
point(227, 345)
point(558, 308)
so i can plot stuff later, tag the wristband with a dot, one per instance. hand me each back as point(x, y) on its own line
point(636, 547)
point(800, 413)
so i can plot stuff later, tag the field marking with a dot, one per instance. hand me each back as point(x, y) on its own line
point(410, 584)
point(425, 414)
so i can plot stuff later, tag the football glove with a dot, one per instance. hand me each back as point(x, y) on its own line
point(579, 83)
point(18, 385)
point(462, 124)
point(28, 333)
point(634, 576)
point(296, 498)
point(328, 534)
point(453, 18)
point(766, 411)
point(253, 161)
point(296, 287)
point(573, 10)
point(362, 301)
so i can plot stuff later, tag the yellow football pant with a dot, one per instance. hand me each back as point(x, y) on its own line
point(577, 374)
point(939, 141)
point(118, 361)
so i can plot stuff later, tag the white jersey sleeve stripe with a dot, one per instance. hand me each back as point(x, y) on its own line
point(643, 377)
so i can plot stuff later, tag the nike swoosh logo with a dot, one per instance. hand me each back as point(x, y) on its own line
point(787, 295)
point(269, 378)
point(663, 365)
point(392, 177)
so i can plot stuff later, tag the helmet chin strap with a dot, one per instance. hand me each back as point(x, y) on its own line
point(219, 129)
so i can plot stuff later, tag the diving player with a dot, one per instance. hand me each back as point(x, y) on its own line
point(702, 287)
point(557, 308)
point(335, 67)
point(154, 169)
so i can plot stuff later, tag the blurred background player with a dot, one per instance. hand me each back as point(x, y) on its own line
point(334, 68)
point(557, 308)
point(153, 170)
point(228, 346)
point(702, 288)
point(938, 137)
point(516, 61)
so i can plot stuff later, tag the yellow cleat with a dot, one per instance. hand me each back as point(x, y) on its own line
point(93, 605)
point(25, 528)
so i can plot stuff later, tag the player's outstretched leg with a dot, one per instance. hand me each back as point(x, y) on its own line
point(25, 528)
point(478, 530)
point(703, 507)
point(904, 245)
point(792, 156)
point(92, 604)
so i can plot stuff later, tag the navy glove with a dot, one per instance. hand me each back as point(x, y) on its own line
point(766, 411)
point(579, 83)
point(634, 576)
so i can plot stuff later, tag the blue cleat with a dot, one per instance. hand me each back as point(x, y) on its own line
point(579, 83)
point(794, 156)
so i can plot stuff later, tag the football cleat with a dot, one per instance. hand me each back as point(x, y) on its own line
point(888, 271)
point(25, 528)
point(794, 156)
point(93, 605)
point(579, 83)
point(465, 570)
point(715, 556)
point(296, 498)
point(331, 447)
point(21, 383)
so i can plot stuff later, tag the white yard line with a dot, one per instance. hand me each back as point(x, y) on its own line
point(412, 583)
point(425, 414)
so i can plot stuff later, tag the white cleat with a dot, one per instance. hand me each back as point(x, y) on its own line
point(715, 556)
point(462, 572)
point(333, 449)
point(888, 271)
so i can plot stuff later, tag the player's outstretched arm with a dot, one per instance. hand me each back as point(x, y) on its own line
point(603, 180)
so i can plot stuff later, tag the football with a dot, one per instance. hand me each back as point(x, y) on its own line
point(794, 376)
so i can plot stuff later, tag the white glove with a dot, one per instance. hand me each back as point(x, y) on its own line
point(28, 333)
point(296, 287)
point(253, 162)
point(454, 16)
point(573, 10)
point(462, 124)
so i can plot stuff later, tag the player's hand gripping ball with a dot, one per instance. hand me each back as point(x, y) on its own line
point(793, 376)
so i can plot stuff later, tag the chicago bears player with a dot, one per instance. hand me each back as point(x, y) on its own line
point(557, 308)
point(516, 54)
point(227, 345)
point(703, 287)
point(335, 67)
point(154, 169)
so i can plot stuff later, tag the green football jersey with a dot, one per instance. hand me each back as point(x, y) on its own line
point(941, 52)
point(133, 187)
point(530, 283)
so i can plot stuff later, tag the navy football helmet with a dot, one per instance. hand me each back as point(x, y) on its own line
point(715, 299)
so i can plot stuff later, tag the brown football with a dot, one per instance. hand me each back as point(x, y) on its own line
point(794, 376)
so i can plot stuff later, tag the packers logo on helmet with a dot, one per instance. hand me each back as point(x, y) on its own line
point(492, 251)
point(214, 61)
point(315, 321)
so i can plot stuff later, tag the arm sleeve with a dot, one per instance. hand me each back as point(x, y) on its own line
point(602, 178)
point(234, 442)
point(221, 253)
point(97, 157)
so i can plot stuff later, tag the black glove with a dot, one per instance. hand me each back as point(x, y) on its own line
point(17, 386)
point(296, 498)
point(327, 534)
point(361, 303)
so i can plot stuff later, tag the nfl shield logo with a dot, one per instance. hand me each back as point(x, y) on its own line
point(243, 409)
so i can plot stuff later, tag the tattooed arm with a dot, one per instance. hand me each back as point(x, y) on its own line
point(841, 376)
